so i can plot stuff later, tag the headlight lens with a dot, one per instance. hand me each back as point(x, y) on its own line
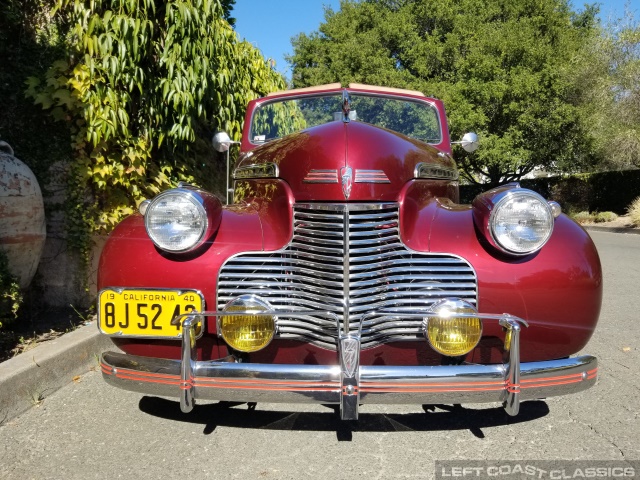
point(176, 220)
point(450, 335)
point(521, 222)
point(249, 332)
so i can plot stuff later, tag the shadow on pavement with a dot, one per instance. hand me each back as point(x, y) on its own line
point(435, 418)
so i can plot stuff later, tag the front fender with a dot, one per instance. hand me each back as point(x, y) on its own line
point(558, 290)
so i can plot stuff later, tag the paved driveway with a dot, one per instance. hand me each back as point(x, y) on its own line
point(88, 430)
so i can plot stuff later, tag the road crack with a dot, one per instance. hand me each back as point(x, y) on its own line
point(599, 434)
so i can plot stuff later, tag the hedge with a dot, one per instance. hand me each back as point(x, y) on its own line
point(592, 192)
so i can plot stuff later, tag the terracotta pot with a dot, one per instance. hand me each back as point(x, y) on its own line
point(22, 220)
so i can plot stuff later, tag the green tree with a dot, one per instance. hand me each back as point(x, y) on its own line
point(497, 65)
point(29, 38)
point(227, 6)
point(610, 67)
point(143, 86)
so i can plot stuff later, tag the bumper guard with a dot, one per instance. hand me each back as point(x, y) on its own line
point(349, 384)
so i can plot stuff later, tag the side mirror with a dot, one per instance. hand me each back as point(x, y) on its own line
point(221, 142)
point(469, 142)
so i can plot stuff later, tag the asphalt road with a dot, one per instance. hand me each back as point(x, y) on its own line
point(88, 430)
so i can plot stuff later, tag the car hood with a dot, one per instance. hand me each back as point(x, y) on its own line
point(346, 161)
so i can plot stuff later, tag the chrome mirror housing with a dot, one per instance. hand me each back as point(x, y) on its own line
point(221, 142)
point(469, 142)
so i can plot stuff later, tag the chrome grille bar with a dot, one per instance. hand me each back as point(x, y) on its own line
point(347, 259)
point(346, 288)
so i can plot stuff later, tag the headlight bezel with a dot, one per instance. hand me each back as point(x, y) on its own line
point(207, 206)
point(489, 205)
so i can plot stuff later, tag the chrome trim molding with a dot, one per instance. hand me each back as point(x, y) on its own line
point(346, 293)
point(371, 176)
point(361, 176)
point(348, 271)
point(257, 170)
point(321, 176)
point(435, 172)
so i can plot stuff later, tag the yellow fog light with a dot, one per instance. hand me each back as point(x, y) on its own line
point(450, 334)
point(247, 332)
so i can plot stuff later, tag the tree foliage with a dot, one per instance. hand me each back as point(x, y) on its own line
point(29, 38)
point(498, 65)
point(610, 69)
point(227, 6)
point(143, 86)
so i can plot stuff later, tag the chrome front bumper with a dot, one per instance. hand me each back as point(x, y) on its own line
point(349, 384)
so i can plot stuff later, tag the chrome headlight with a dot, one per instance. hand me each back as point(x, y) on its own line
point(176, 220)
point(521, 222)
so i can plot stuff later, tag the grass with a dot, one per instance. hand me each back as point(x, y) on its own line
point(603, 217)
point(634, 212)
point(594, 217)
point(582, 217)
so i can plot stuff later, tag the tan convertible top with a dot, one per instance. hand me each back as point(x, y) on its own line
point(357, 86)
point(328, 86)
point(372, 88)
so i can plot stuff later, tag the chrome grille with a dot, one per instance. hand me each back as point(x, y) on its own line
point(347, 251)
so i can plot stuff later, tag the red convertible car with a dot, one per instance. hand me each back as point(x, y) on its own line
point(346, 272)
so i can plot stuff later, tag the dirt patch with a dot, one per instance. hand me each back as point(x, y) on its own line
point(26, 333)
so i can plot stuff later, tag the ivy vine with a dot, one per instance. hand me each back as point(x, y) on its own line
point(10, 294)
point(143, 85)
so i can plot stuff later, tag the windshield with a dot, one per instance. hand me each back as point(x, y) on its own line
point(414, 119)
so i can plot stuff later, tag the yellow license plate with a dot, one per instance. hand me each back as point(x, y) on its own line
point(145, 313)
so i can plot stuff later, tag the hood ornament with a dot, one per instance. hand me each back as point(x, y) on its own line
point(346, 174)
point(346, 107)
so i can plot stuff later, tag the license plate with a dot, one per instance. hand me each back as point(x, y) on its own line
point(146, 313)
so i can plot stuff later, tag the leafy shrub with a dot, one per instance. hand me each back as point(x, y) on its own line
point(634, 212)
point(10, 295)
point(583, 217)
point(143, 86)
point(604, 217)
point(603, 191)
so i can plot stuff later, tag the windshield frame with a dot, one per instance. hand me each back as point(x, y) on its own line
point(261, 103)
